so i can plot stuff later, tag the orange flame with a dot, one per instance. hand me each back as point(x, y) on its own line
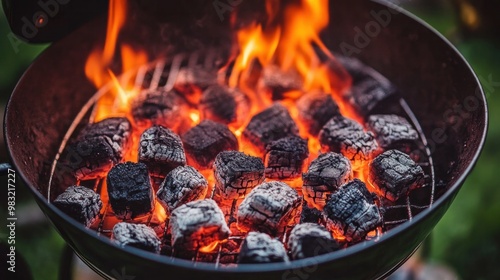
point(210, 247)
point(97, 68)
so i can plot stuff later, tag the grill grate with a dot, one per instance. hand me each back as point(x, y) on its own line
point(163, 73)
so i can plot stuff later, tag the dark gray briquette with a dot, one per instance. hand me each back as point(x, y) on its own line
point(261, 248)
point(285, 158)
point(80, 203)
point(236, 174)
point(182, 185)
point(392, 132)
point(205, 141)
point(223, 104)
point(158, 107)
point(136, 235)
point(270, 125)
point(326, 174)
point(309, 240)
point(346, 136)
point(197, 224)
point(316, 108)
point(129, 190)
point(98, 147)
point(161, 150)
point(269, 208)
point(350, 212)
point(310, 214)
point(394, 174)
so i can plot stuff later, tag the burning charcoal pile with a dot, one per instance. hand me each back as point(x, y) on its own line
point(270, 163)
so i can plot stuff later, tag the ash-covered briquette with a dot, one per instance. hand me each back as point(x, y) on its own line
point(136, 235)
point(261, 248)
point(236, 174)
point(129, 189)
point(269, 208)
point(161, 150)
point(394, 174)
point(310, 240)
point(285, 158)
point(345, 136)
point(326, 174)
point(182, 185)
point(310, 214)
point(80, 203)
point(277, 84)
point(370, 91)
point(98, 147)
point(223, 104)
point(351, 212)
point(316, 108)
point(197, 224)
point(205, 141)
point(270, 125)
point(392, 132)
point(193, 80)
point(158, 107)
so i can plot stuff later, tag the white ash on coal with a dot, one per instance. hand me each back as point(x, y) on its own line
point(393, 132)
point(310, 240)
point(98, 147)
point(236, 174)
point(129, 190)
point(316, 108)
point(261, 248)
point(223, 104)
point(325, 175)
point(205, 141)
point(136, 235)
point(285, 158)
point(269, 125)
point(161, 150)
point(394, 174)
point(182, 185)
point(198, 224)
point(351, 212)
point(346, 136)
point(80, 203)
point(269, 208)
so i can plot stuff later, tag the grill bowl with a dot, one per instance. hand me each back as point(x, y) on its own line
point(431, 76)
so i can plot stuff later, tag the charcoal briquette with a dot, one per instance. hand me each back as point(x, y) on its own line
point(236, 174)
point(98, 147)
point(193, 80)
point(130, 191)
point(394, 174)
point(80, 203)
point(270, 125)
point(351, 212)
point(325, 175)
point(136, 235)
point(346, 136)
point(261, 248)
point(278, 84)
point(182, 185)
point(197, 224)
point(309, 240)
point(161, 150)
point(269, 208)
point(285, 158)
point(205, 141)
point(223, 104)
point(392, 132)
point(316, 108)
